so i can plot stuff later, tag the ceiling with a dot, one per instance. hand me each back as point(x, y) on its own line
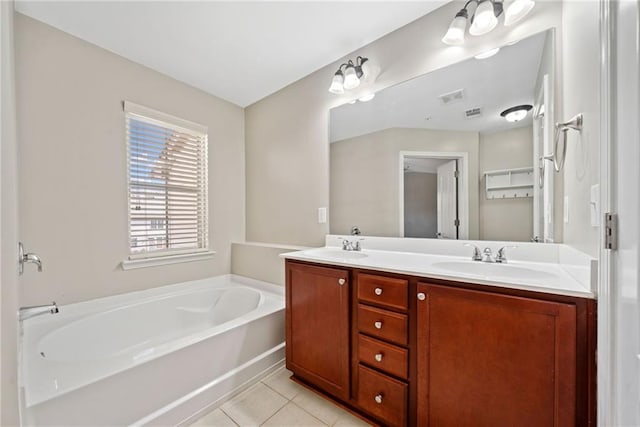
point(493, 84)
point(240, 51)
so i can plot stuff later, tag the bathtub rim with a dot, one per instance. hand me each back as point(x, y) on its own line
point(274, 300)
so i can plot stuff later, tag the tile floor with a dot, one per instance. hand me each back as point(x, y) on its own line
point(278, 402)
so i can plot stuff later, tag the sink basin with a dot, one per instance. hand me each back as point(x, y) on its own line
point(337, 254)
point(489, 270)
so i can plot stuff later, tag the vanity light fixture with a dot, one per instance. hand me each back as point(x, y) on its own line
point(349, 75)
point(485, 18)
point(517, 113)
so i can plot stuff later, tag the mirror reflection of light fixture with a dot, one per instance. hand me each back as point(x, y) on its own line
point(485, 18)
point(351, 76)
point(487, 54)
point(517, 113)
point(366, 98)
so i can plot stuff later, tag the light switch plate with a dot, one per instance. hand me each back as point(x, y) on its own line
point(322, 215)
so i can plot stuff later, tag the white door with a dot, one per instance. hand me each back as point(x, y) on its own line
point(448, 200)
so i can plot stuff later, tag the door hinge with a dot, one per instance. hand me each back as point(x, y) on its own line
point(610, 231)
point(456, 174)
point(456, 222)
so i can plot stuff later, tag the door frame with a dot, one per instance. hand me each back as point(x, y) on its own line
point(463, 185)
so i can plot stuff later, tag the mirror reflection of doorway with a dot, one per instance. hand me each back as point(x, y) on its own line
point(431, 208)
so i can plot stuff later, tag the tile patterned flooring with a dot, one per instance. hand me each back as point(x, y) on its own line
point(276, 401)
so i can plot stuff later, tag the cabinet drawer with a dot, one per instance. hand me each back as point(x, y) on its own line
point(383, 324)
point(386, 357)
point(382, 396)
point(386, 291)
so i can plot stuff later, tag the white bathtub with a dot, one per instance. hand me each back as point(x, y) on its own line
point(152, 357)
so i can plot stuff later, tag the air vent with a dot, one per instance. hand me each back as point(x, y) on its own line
point(473, 112)
point(448, 98)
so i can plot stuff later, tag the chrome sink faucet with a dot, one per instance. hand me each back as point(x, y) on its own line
point(37, 310)
point(487, 254)
point(348, 245)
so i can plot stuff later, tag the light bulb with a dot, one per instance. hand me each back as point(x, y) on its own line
point(455, 33)
point(484, 19)
point(337, 83)
point(351, 80)
point(516, 10)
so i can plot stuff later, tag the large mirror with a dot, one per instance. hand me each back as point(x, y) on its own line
point(436, 157)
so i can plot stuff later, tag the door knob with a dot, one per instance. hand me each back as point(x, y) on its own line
point(421, 296)
point(341, 281)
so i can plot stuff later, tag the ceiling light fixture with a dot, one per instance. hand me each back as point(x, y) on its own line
point(485, 18)
point(351, 76)
point(517, 113)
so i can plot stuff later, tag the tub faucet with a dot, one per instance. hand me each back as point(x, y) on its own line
point(37, 310)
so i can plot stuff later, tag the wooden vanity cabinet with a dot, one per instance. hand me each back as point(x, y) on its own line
point(317, 326)
point(406, 351)
point(487, 359)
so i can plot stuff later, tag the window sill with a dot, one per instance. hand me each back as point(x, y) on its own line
point(130, 264)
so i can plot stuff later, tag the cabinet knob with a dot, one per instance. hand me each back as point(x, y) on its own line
point(421, 296)
point(378, 398)
point(378, 324)
point(378, 291)
point(341, 281)
point(378, 357)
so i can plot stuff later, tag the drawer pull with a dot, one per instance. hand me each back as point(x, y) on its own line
point(378, 291)
point(341, 281)
point(378, 357)
point(378, 325)
point(421, 296)
point(378, 398)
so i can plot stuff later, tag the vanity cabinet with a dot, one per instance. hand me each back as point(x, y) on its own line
point(487, 359)
point(317, 326)
point(403, 350)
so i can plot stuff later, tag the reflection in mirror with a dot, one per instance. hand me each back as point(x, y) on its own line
point(433, 157)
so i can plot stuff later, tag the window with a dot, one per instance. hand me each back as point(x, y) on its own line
point(167, 170)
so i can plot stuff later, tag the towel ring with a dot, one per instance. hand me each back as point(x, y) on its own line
point(576, 124)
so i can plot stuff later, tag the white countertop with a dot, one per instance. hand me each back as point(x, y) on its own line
point(547, 277)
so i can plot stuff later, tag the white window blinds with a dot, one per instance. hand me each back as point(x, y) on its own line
point(167, 169)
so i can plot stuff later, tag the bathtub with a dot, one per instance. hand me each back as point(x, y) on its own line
point(158, 356)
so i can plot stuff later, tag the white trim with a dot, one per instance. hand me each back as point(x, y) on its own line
point(149, 114)
point(606, 324)
point(463, 194)
point(130, 264)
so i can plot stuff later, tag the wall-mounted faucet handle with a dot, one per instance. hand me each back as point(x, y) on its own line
point(501, 256)
point(476, 252)
point(355, 230)
point(24, 258)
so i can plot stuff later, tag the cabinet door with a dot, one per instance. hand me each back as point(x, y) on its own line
point(317, 319)
point(486, 359)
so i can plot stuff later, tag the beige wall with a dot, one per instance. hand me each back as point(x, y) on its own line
point(506, 219)
point(580, 94)
point(72, 165)
point(420, 204)
point(8, 223)
point(287, 132)
point(365, 172)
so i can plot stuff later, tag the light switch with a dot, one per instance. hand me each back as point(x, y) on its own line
point(566, 210)
point(594, 205)
point(322, 215)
